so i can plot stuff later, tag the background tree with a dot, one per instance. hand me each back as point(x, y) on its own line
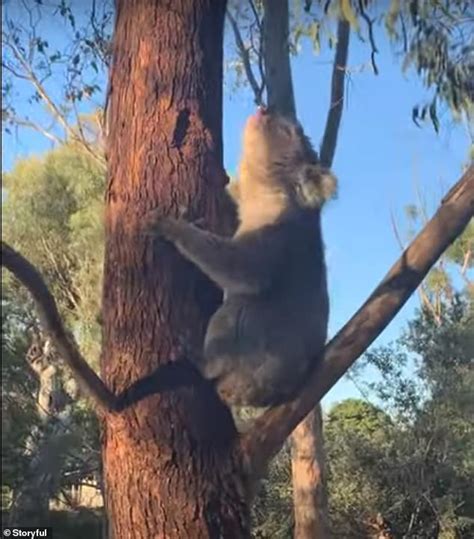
point(54, 212)
point(425, 457)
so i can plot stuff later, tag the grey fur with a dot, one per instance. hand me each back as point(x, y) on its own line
point(261, 343)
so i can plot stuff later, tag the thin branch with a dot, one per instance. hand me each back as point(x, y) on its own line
point(13, 71)
point(36, 127)
point(396, 232)
point(328, 146)
point(424, 299)
point(259, 22)
point(52, 323)
point(465, 264)
point(54, 110)
point(245, 57)
point(421, 202)
point(370, 27)
point(255, 14)
point(39, 87)
point(270, 430)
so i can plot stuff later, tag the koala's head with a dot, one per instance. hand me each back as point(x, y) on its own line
point(277, 152)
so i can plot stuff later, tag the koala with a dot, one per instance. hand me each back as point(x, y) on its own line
point(262, 342)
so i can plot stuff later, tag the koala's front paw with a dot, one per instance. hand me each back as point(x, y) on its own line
point(157, 225)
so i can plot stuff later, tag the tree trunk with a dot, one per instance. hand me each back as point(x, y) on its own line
point(170, 468)
point(308, 474)
point(307, 456)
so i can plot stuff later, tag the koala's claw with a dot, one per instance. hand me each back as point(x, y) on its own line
point(152, 222)
point(184, 214)
point(200, 222)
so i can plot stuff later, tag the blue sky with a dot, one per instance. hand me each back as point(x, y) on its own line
point(381, 156)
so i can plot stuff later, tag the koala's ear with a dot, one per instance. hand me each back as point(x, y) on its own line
point(315, 185)
point(233, 190)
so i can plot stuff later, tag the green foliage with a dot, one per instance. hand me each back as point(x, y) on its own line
point(429, 458)
point(437, 39)
point(433, 37)
point(356, 435)
point(74, 525)
point(461, 251)
point(53, 213)
point(358, 417)
point(408, 466)
point(18, 403)
point(272, 511)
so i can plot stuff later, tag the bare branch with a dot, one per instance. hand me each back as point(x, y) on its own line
point(465, 264)
point(277, 58)
point(255, 14)
point(56, 113)
point(259, 52)
point(424, 299)
point(33, 125)
point(13, 71)
point(269, 431)
point(396, 231)
point(245, 57)
point(52, 323)
point(328, 146)
point(370, 27)
point(38, 86)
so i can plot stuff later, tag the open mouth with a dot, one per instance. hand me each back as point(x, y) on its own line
point(259, 115)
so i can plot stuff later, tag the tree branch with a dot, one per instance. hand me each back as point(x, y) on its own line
point(328, 146)
point(16, 120)
point(269, 431)
point(370, 28)
point(424, 299)
point(52, 323)
point(276, 56)
point(54, 110)
point(245, 57)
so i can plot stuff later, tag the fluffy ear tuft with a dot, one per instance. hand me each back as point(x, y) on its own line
point(315, 185)
point(328, 184)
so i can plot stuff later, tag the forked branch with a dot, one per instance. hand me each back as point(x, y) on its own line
point(244, 54)
point(51, 321)
point(328, 145)
point(269, 431)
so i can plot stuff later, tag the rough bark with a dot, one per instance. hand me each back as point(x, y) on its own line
point(168, 460)
point(309, 482)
